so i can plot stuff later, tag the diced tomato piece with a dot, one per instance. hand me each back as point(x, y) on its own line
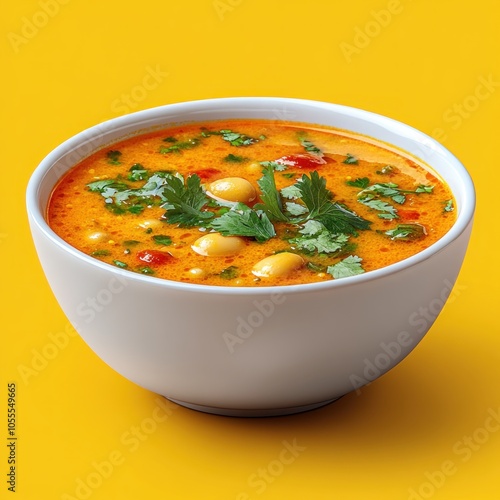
point(154, 257)
point(206, 173)
point(305, 161)
point(408, 214)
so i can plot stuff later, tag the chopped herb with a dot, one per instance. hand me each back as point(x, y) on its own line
point(295, 209)
point(317, 268)
point(387, 211)
point(136, 209)
point(130, 243)
point(184, 201)
point(243, 221)
point(319, 239)
point(335, 217)
point(291, 192)
point(162, 239)
point(449, 207)
point(121, 264)
point(235, 159)
point(289, 175)
point(170, 139)
point(279, 167)
point(407, 232)
point(350, 266)
point(100, 186)
point(114, 157)
point(177, 147)
point(387, 170)
point(350, 160)
point(237, 139)
point(424, 189)
point(145, 270)
point(101, 253)
point(271, 202)
point(137, 173)
point(310, 147)
point(149, 230)
point(229, 273)
point(360, 182)
point(114, 208)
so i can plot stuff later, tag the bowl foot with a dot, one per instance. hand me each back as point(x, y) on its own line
point(270, 412)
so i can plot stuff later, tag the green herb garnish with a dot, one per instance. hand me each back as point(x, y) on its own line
point(350, 266)
point(121, 264)
point(229, 273)
point(407, 232)
point(162, 239)
point(114, 157)
point(350, 160)
point(230, 158)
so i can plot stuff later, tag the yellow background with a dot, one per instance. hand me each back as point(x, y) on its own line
point(427, 426)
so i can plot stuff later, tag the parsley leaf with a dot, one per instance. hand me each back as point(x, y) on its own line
point(114, 157)
point(388, 211)
point(316, 238)
point(407, 232)
point(243, 221)
point(178, 146)
point(184, 201)
point(271, 202)
point(279, 167)
point(295, 208)
point(335, 217)
point(162, 239)
point(291, 192)
point(310, 147)
point(350, 160)
point(237, 139)
point(448, 207)
point(350, 266)
point(229, 273)
point(360, 182)
point(235, 159)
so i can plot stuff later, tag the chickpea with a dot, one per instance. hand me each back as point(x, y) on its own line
point(216, 245)
point(197, 272)
point(276, 265)
point(234, 189)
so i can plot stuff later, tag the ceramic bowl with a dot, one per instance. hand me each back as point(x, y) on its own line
point(252, 351)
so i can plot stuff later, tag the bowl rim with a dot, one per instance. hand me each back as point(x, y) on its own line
point(37, 216)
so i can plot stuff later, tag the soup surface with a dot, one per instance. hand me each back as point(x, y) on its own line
point(250, 203)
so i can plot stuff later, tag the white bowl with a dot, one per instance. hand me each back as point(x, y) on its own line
point(251, 351)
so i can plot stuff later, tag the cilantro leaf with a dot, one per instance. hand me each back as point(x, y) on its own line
point(388, 211)
point(100, 186)
point(279, 167)
point(310, 147)
point(237, 139)
point(230, 158)
point(424, 189)
point(121, 264)
point(114, 157)
point(407, 232)
point(316, 238)
point(360, 182)
point(291, 192)
point(137, 173)
point(448, 206)
point(350, 160)
point(162, 239)
point(315, 195)
point(350, 266)
point(271, 202)
point(295, 208)
point(243, 221)
point(229, 273)
point(184, 201)
point(178, 146)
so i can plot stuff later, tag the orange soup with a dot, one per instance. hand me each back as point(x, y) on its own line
point(251, 203)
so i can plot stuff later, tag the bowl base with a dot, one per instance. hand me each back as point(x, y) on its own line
point(269, 412)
